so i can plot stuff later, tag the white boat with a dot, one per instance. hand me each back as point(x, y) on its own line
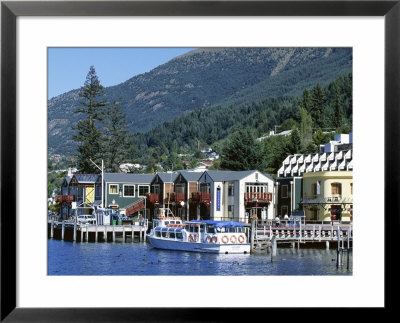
point(202, 236)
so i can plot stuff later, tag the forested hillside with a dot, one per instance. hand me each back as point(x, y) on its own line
point(317, 110)
point(226, 80)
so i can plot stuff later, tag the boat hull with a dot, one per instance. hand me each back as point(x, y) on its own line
point(167, 244)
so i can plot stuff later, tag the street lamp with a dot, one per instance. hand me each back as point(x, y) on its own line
point(102, 180)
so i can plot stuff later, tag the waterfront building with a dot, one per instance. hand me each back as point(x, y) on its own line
point(161, 189)
point(235, 195)
point(293, 193)
point(126, 192)
point(86, 191)
point(185, 188)
point(328, 196)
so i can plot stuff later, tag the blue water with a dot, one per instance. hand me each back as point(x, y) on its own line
point(139, 258)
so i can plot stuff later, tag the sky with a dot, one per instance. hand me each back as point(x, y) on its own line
point(68, 67)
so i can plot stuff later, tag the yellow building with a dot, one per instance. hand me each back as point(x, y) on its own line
point(328, 196)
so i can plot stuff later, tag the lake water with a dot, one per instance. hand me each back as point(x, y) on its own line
point(139, 258)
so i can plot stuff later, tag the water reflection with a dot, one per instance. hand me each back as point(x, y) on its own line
point(67, 258)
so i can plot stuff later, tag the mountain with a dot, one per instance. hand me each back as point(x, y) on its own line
point(202, 78)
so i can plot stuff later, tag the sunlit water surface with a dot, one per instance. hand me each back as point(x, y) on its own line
point(69, 258)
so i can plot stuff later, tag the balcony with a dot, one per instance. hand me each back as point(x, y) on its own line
point(65, 198)
point(265, 197)
point(202, 197)
point(180, 197)
point(153, 197)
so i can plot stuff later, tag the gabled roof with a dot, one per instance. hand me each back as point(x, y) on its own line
point(66, 181)
point(128, 178)
point(167, 177)
point(86, 178)
point(227, 175)
point(191, 176)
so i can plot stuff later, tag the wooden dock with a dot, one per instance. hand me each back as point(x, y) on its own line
point(70, 231)
point(263, 236)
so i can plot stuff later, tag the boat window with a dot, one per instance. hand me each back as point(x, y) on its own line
point(179, 235)
point(172, 222)
point(172, 235)
point(187, 227)
point(196, 229)
point(164, 234)
point(210, 228)
point(202, 228)
point(166, 222)
point(158, 234)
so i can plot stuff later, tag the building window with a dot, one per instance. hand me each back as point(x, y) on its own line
point(315, 188)
point(231, 189)
point(143, 190)
point(113, 188)
point(336, 188)
point(129, 190)
point(284, 192)
point(231, 209)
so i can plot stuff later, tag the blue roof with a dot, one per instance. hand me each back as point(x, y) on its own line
point(220, 224)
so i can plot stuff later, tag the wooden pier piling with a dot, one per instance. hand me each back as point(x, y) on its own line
point(62, 230)
point(74, 236)
point(52, 229)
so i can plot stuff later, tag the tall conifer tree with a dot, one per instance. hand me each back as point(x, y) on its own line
point(117, 139)
point(88, 136)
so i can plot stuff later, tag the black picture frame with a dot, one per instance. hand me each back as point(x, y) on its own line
point(10, 10)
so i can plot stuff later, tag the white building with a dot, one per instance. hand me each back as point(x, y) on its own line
point(236, 195)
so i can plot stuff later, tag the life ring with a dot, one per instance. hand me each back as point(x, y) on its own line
point(233, 239)
point(209, 239)
point(241, 238)
point(225, 239)
point(190, 238)
point(214, 239)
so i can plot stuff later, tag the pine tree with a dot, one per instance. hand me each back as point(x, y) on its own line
point(306, 125)
point(318, 99)
point(295, 141)
point(88, 135)
point(242, 152)
point(117, 140)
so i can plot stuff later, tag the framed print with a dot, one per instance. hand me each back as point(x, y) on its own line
point(30, 30)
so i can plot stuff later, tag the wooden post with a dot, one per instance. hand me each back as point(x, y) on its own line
point(123, 233)
point(74, 237)
point(133, 232)
point(113, 233)
point(338, 259)
point(105, 233)
point(81, 233)
point(274, 247)
point(320, 233)
point(63, 230)
point(96, 234)
point(52, 228)
point(253, 231)
point(87, 233)
point(327, 245)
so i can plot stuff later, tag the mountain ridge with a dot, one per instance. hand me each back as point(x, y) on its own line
point(205, 77)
